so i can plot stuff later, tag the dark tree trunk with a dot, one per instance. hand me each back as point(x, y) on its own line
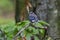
point(17, 11)
point(58, 7)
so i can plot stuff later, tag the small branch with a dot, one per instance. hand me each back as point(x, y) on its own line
point(21, 31)
point(37, 27)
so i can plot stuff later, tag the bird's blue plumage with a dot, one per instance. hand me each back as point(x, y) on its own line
point(33, 17)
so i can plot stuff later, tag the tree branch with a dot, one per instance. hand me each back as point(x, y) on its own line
point(20, 31)
point(38, 27)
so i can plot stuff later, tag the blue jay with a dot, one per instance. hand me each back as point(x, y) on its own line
point(33, 17)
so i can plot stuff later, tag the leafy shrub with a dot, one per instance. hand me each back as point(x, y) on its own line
point(11, 29)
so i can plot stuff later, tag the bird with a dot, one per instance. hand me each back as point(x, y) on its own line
point(33, 17)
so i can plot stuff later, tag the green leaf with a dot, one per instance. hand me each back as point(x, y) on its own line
point(19, 27)
point(38, 25)
point(35, 31)
point(15, 31)
point(36, 38)
point(43, 23)
point(23, 23)
point(8, 38)
point(29, 29)
point(42, 32)
point(28, 36)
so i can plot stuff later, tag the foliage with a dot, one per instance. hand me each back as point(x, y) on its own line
point(11, 29)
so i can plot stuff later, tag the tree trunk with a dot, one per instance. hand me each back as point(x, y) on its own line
point(20, 13)
point(52, 19)
point(17, 13)
point(58, 7)
point(46, 10)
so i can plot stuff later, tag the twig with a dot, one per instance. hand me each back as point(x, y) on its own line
point(37, 27)
point(20, 31)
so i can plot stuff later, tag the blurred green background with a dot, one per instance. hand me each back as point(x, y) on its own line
point(7, 11)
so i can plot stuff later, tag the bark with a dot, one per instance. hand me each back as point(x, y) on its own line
point(58, 7)
point(52, 19)
point(46, 10)
point(17, 13)
point(20, 14)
